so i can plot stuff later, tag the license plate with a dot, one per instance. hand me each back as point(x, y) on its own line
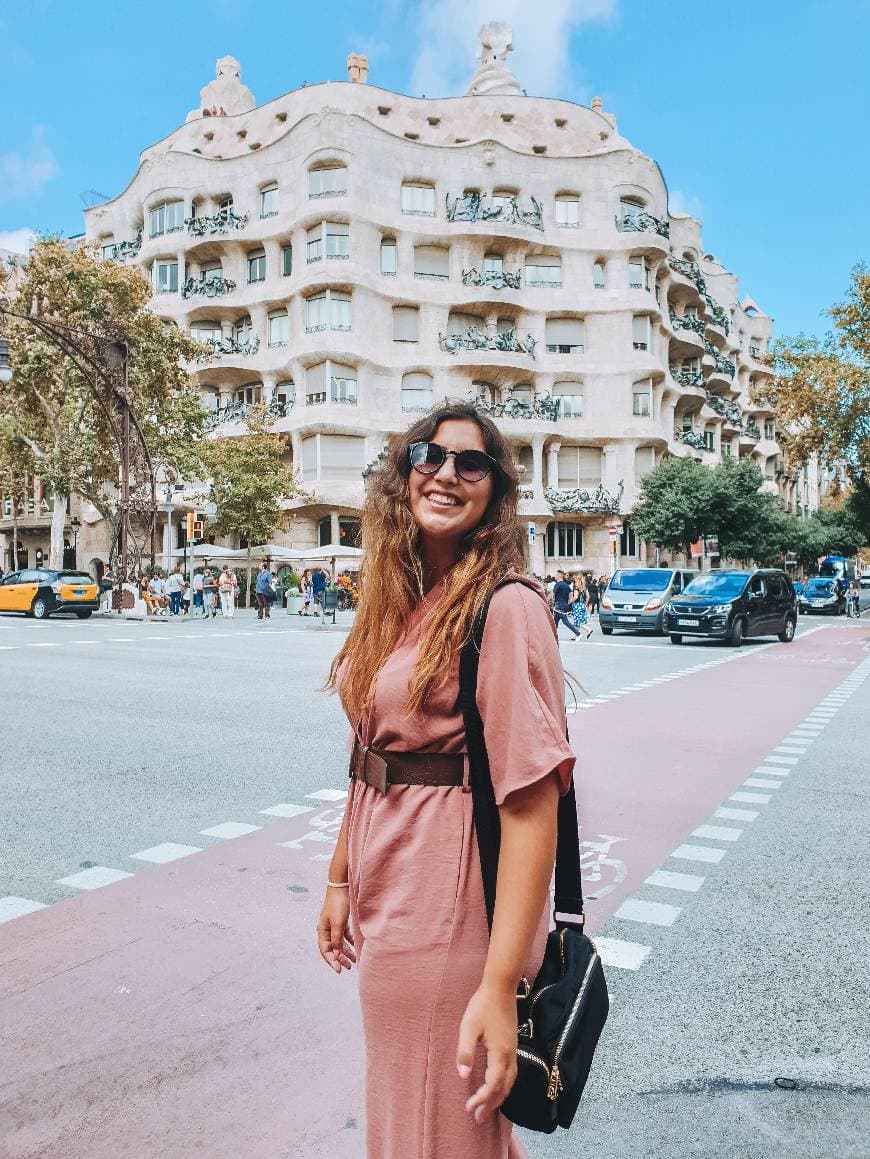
point(818, 603)
point(689, 623)
point(79, 592)
point(627, 619)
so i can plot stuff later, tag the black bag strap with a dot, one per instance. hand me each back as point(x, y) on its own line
point(569, 892)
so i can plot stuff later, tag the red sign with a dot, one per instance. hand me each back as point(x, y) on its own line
point(696, 550)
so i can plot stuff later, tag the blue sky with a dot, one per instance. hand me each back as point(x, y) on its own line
point(756, 111)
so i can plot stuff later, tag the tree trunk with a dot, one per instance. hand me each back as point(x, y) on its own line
point(58, 523)
point(248, 579)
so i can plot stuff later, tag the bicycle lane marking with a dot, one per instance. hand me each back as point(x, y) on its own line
point(653, 769)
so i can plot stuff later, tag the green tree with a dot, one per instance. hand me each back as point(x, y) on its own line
point(249, 478)
point(821, 389)
point(49, 405)
point(676, 500)
point(16, 470)
point(744, 519)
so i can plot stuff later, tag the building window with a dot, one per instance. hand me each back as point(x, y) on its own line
point(579, 466)
point(328, 181)
point(328, 310)
point(286, 261)
point(564, 335)
point(644, 461)
point(166, 277)
point(570, 396)
point(564, 540)
point(257, 266)
point(329, 238)
point(432, 261)
point(544, 272)
point(330, 381)
point(269, 200)
point(205, 331)
point(279, 328)
point(332, 457)
point(769, 429)
point(688, 422)
point(249, 395)
point(727, 448)
point(493, 265)
point(638, 273)
point(459, 322)
point(107, 251)
point(243, 331)
point(406, 324)
point(641, 332)
point(502, 198)
point(754, 348)
point(416, 391)
point(627, 541)
point(389, 257)
point(226, 203)
point(598, 277)
point(418, 200)
point(522, 392)
point(630, 209)
point(642, 399)
point(285, 393)
point(568, 211)
point(166, 218)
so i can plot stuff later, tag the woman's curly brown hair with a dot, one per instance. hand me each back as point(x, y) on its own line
point(391, 580)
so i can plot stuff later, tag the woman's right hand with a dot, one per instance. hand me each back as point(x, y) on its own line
point(334, 939)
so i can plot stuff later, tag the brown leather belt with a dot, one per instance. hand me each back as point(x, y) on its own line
point(384, 767)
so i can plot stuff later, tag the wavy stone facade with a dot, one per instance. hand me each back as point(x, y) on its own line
point(354, 255)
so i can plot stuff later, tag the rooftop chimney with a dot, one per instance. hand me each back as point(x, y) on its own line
point(596, 104)
point(357, 68)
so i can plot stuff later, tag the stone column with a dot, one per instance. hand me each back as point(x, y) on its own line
point(334, 533)
point(167, 542)
point(270, 381)
point(553, 449)
point(538, 463)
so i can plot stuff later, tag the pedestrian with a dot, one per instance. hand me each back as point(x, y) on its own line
point(318, 587)
point(853, 598)
point(147, 596)
point(227, 587)
point(159, 594)
point(185, 599)
point(263, 593)
point(198, 586)
point(209, 592)
point(579, 607)
point(404, 897)
point(561, 604)
point(593, 594)
point(175, 586)
point(307, 593)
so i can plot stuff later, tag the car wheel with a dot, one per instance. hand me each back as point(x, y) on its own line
point(606, 631)
point(39, 609)
point(676, 638)
point(787, 634)
point(735, 636)
point(85, 614)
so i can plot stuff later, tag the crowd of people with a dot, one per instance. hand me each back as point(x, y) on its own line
point(573, 598)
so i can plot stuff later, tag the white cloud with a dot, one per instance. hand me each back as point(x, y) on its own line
point(542, 32)
point(679, 202)
point(17, 241)
point(24, 174)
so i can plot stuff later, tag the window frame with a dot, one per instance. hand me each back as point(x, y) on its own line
point(277, 316)
point(258, 257)
point(334, 190)
point(329, 297)
point(560, 533)
point(566, 221)
point(265, 200)
point(415, 188)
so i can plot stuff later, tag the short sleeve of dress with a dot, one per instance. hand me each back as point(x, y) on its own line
point(520, 693)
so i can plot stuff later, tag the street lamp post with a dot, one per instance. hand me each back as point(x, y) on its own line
point(75, 525)
point(103, 357)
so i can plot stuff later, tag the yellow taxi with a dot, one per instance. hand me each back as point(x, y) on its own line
point(39, 591)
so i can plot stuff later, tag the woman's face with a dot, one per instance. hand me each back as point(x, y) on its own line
point(444, 506)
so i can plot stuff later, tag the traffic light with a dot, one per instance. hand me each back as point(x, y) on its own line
point(189, 525)
point(195, 525)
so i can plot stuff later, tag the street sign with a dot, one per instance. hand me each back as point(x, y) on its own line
point(613, 531)
point(531, 533)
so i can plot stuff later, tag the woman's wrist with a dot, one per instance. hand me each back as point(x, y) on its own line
point(337, 884)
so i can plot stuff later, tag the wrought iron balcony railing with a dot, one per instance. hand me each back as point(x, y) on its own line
point(599, 499)
point(642, 223)
point(693, 439)
point(208, 286)
point(730, 411)
point(127, 249)
point(720, 319)
point(222, 347)
point(752, 431)
point(473, 338)
point(541, 407)
point(721, 364)
point(496, 279)
point(473, 207)
point(221, 222)
point(686, 377)
point(687, 322)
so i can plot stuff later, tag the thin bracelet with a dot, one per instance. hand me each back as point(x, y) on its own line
point(338, 884)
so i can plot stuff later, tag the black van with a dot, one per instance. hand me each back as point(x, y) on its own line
point(730, 605)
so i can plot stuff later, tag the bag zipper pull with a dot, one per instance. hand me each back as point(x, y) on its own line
point(554, 1086)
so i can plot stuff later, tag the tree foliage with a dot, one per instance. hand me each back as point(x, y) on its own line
point(50, 407)
point(821, 389)
point(675, 503)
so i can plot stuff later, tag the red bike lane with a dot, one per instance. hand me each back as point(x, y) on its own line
point(185, 1011)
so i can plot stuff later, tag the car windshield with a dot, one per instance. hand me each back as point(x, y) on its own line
point(75, 577)
point(727, 587)
point(821, 587)
point(642, 580)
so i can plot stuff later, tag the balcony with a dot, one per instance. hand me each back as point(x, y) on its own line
point(642, 223)
point(721, 364)
point(127, 249)
point(473, 338)
point(542, 407)
point(473, 207)
point(208, 286)
point(495, 279)
point(687, 322)
point(729, 411)
point(693, 439)
point(686, 377)
point(596, 501)
point(221, 222)
point(720, 319)
point(225, 347)
point(752, 431)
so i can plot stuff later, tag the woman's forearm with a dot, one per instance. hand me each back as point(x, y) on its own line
point(525, 868)
point(338, 865)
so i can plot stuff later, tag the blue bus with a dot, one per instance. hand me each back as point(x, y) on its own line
point(838, 567)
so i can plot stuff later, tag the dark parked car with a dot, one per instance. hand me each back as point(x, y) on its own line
point(822, 596)
point(730, 605)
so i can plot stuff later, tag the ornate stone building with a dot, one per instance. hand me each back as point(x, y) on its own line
point(354, 255)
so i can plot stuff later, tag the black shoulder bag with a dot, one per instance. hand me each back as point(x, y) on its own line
point(561, 1015)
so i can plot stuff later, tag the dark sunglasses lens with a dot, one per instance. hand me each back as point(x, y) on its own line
point(472, 466)
point(426, 458)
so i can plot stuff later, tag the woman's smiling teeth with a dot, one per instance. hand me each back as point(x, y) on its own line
point(441, 500)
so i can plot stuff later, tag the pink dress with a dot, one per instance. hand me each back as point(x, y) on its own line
point(416, 897)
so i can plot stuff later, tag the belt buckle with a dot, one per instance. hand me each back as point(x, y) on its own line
point(375, 771)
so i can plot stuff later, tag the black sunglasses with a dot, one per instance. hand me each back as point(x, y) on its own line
point(429, 458)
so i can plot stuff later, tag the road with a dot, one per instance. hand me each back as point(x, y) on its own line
point(724, 802)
